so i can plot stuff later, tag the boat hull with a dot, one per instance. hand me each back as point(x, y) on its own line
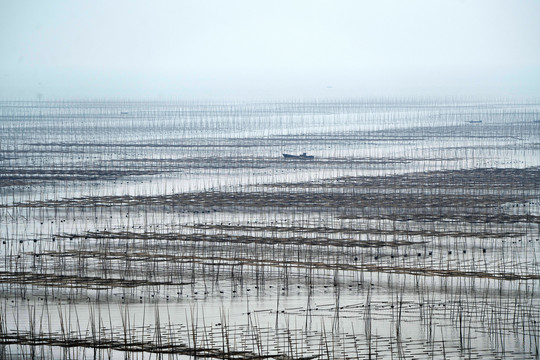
point(301, 157)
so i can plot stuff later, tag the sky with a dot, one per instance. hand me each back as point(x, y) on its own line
point(204, 49)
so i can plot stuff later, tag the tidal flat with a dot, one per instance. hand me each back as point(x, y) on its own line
point(178, 230)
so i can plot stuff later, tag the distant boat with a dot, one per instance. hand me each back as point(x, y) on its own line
point(475, 121)
point(302, 156)
point(123, 113)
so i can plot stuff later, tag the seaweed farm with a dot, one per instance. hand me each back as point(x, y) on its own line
point(179, 230)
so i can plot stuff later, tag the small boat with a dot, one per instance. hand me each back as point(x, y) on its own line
point(302, 156)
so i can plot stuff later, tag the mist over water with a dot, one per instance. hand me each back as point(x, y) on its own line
point(278, 49)
point(278, 180)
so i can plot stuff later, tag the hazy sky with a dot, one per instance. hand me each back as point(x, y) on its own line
point(235, 49)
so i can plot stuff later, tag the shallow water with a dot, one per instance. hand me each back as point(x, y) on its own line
point(137, 226)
